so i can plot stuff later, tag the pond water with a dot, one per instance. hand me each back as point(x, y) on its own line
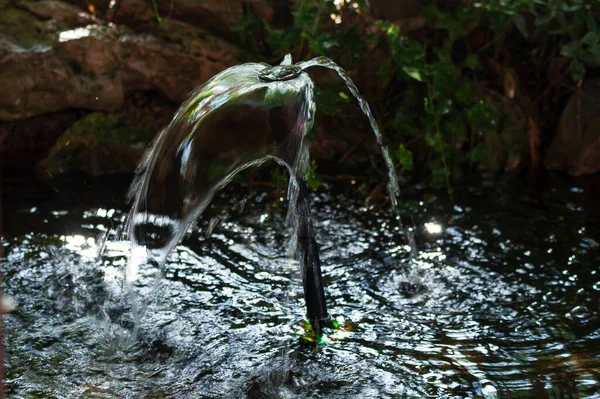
point(501, 300)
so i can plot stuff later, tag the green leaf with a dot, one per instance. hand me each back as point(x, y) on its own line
point(405, 157)
point(438, 174)
point(531, 5)
point(312, 181)
point(472, 61)
point(278, 177)
point(248, 23)
point(329, 99)
point(592, 56)
point(590, 38)
point(570, 50)
point(591, 23)
point(455, 128)
point(463, 94)
point(577, 70)
point(571, 7)
point(435, 141)
point(410, 56)
point(562, 19)
point(415, 73)
point(480, 153)
point(521, 24)
point(479, 115)
point(542, 19)
point(595, 54)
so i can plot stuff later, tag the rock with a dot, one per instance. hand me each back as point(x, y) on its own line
point(576, 146)
point(59, 12)
point(407, 14)
point(507, 140)
point(396, 10)
point(25, 142)
point(96, 145)
point(21, 31)
point(147, 111)
point(216, 16)
point(67, 62)
point(68, 74)
point(135, 11)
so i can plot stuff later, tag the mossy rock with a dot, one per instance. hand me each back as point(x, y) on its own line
point(110, 128)
point(96, 145)
point(19, 28)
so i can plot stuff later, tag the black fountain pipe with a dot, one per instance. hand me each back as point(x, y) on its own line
point(312, 280)
point(282, 121)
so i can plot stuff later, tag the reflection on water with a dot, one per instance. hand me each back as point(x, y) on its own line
point(501, 301)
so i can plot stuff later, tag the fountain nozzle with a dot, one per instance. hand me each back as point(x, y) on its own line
point(279, 73)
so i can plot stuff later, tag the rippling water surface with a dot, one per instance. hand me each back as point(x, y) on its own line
point(502, 300)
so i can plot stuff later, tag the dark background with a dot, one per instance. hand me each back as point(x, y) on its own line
point(459, 88)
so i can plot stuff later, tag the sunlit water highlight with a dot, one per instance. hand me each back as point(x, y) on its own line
point(501, 301)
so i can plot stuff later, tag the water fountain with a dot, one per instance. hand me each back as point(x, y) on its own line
point(501, 299)
point(242, 117)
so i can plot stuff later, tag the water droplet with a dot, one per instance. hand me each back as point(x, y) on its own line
point(578, 313)
point(212, 225)
point(489, 391)
point(433, 228)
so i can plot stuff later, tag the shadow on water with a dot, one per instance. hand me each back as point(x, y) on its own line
point(502, 299)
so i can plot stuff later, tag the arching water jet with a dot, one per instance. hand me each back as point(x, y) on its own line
point(241, 117)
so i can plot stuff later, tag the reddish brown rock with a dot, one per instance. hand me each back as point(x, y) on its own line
point(97, 144)
point(71, 63)
point(25, 142)
point(407, 14)
point(215, 16)
point(576, 147)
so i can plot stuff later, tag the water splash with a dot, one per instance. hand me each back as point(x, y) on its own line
point(242, 117)
point(489, 306)
point(229, 124)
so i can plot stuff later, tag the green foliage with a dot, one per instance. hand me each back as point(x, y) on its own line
point(159, 19)
point(405, 157)
point(314, 33)
point(279, 177)
point(109, 128)
point(432, 101)
point(451, 109)
point(572, 23)
point(312, 181)
point(455, 116)
point(330, 99)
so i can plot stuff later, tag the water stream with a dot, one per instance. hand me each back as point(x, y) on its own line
point(502, 299)
point(240, 118)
